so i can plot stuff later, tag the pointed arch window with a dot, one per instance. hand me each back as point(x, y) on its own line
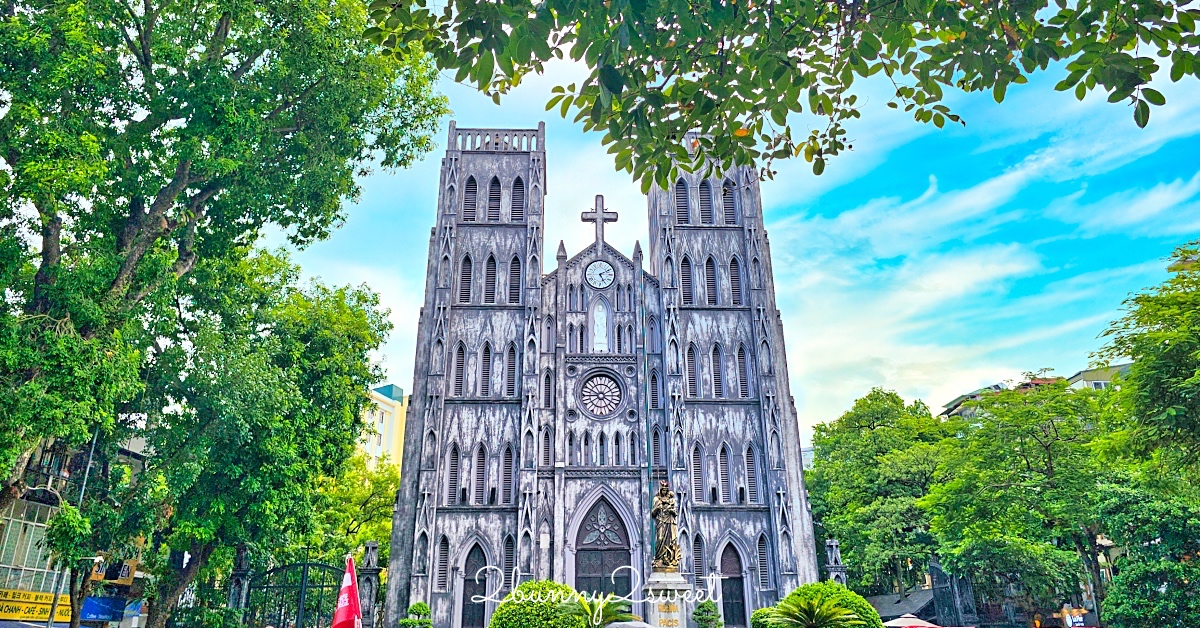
point(620, 339)
point(585, 457)
point(470, 199)
point(681, 203)
point(743, 372)
point(652, 335)
point(489, 280)
point(602, 448)
point(756, 267)
point(548, 339)
point(718, 373)
point(571, 338)
point(547, 448)
point(460, 370)
point(582, 344)
point(726, 487)
point(452, 476)
point(654, 394)
point(485, 371)
point(480, 475)
point(572, 456)
point(697, 475)
point(511, 375)
point(727, 203)
point(629, 338)
point(617, 450)
point(518, 200)
point(443, 564)
point(509, 472)
point(698, 558)
point(493, 210)
point(752, 475)
point(735, 282)
point(633, 450)
point(764, 574)
point(510, 561)
point(444, 272)
point(710, 281)
point(685, 282)
point(570, 297)
point(421, 551)
point(656, 448)
point(514, 280)
point(693, 387)
point(547, 391)
point(706, 204)
point(464, 280)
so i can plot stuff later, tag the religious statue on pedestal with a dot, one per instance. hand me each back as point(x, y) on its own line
point(666, 544)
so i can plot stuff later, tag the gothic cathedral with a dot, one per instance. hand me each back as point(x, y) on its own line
point(546, 406)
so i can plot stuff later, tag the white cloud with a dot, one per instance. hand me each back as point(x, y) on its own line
point(1164, 209)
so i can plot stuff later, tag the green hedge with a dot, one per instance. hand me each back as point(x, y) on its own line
point(845, 598)
point(758, 619)
point(538, 608)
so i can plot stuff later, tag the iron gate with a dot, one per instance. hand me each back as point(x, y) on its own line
point(300, 595)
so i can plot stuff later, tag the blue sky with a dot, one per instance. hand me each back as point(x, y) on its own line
point(926, 261)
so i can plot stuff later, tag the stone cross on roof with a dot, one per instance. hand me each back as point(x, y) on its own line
point(599, 216)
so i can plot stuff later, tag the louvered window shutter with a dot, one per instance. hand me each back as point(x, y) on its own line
point(710, 281)
point(697, 476)
point(656, 449)
point(547, 391)
point(514, 281)
point(718, 374)
point(480, 475)
point(743, 373)
point(460, 368)
point(493, 210)
point(470, 200)
point(443, 567)
point(725, 487)
point(735, 282)
point(510, 382)
point(620, 339)
point(510, 561)
point(693, 388)
point(547, 449)
point(751, 475)
point(681, 203)
point(698, 558)
point(452, 477)
point(485, 372)
point(508, 476)
point(727, 204)
point(764, 576)
point(654, 390)
point(489, 280)
point(685, 281)
point(518, 200)
point(464, 281)
point(706, 204)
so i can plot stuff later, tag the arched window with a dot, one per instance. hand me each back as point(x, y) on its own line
point(510, 561)
point(764, 574)
point(756, 267)
point(697, 475)
point(670, 272)
point(706, 204)
point(633, 450)
point(653, 338)
point(443, 564)
point(493, 210)
point(726, 485)
point(511, 374)
point(489, 280)
point(452, 476)
point(572, 456)
point(693, 386)
point(485, 371)
point(547, 391)
point(444, 272)
point(617, 459)
point(547, 448)
point(727, 203)
point(518, 200)
point(656, 448)
point(464, 280)
point(681, 203)
point(460, 370)
point(548, 338)
point(514, 280)
point(698, 558)
point(735, 282)
point(571, 338)
point(629, 337)
point(582, 344)
point(507, 475)
point(421, 554)
point(527, 455)
point(685, 282)
point(718, 373)
point(470, 199)
point(710, 281)
point(431, 452)
point(654, 394)
point(585, 457)
point(480, 475)
point(743, 372)
point(570, 297)
point(602, 446)
point(751, 475)
point(764, 354)
point(437, 358)
point(620, 339)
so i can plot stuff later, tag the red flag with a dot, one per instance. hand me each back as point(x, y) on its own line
point(348, 613)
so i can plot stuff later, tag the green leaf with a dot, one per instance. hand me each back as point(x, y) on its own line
point(1141, 114)
point(1155, 98)
point(611, 79)
point(998, 91)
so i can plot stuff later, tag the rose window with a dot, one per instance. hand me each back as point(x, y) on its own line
point(601, 395)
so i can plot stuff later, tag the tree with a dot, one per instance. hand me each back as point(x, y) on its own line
point(839, 595)
point(1013, 500)
point(734, 71)
point(815, 612)
point(138, 139)
point(870, 467)
point(1160, 332)
point(707, 615)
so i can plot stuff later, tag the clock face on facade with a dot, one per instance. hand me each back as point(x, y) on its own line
point(600, 274)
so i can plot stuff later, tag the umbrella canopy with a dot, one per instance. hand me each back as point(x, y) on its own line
point(909, 621)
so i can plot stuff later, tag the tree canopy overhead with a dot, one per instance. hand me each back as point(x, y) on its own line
point(733, 70)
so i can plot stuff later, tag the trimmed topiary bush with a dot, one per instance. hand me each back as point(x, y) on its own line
point(534, 604)
point(844, 597)
point(707, 615)
point(758, 619)
point(418, 616)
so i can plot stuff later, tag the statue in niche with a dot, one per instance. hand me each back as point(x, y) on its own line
point(600, 328)
point(665, 514)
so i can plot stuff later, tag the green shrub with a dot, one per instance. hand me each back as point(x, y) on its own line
point(418, 616)
point(844, 597)
point(758, 619)
point(707, 615)
point(534, 604)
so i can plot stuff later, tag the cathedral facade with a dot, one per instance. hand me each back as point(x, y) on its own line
point(547, 406)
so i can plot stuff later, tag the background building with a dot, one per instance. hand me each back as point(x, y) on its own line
point(384, 420)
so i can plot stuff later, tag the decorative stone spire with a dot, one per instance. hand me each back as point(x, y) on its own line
point(637, 252)
point(562, 250)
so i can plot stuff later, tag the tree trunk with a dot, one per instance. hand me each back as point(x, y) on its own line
point(13, 487)
point(1090, 553)
point(80, 588)
point(170, 590)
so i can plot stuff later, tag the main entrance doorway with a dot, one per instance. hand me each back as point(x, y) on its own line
point(733, 592)
point(602, 549)
point(473, 612)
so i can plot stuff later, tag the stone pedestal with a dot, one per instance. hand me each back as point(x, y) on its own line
point(664, 594)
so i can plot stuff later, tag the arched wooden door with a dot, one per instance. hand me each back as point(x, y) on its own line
point(473, 612)
point(602, 548)
point(733, 589)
